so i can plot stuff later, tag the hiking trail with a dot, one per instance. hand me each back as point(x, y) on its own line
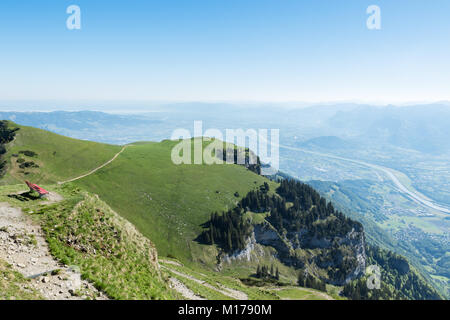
point(235, 294)
point(23, 246)
point(98, 168)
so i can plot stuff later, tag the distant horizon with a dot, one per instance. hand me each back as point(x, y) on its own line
point(140, 106)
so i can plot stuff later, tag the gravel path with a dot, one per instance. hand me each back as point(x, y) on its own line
point(22, 244)
point(187, 293)
point(235, 294)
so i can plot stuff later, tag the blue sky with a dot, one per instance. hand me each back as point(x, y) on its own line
point(234, 50)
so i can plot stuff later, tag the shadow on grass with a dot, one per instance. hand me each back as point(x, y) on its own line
point(25, 196)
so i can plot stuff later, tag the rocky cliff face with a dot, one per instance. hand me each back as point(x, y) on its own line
point(357, 241)
point(342, 258)
point(299, 228)
point(251, 249)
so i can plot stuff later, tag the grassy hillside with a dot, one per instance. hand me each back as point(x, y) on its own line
point(81, 230)
point(54, 157)
point(168, 202)
point(218, 280)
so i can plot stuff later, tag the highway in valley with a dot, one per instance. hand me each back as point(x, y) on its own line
point(410, 192)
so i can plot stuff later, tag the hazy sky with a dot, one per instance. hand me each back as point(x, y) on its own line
point(260, 50)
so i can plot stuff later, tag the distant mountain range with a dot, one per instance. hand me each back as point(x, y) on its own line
point(424, 128)
point(328, 143)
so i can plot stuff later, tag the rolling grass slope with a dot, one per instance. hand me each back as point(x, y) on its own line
point(81, 230)
point(221, 279)
point(58, 157)
point(168, 203)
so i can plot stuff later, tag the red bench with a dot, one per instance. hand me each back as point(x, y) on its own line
point(34, 187)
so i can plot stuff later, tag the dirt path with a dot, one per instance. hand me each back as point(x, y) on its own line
point(187, 293)
point(171, 262)
point(235, 294)
point(22, 245)
point(98, 168)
